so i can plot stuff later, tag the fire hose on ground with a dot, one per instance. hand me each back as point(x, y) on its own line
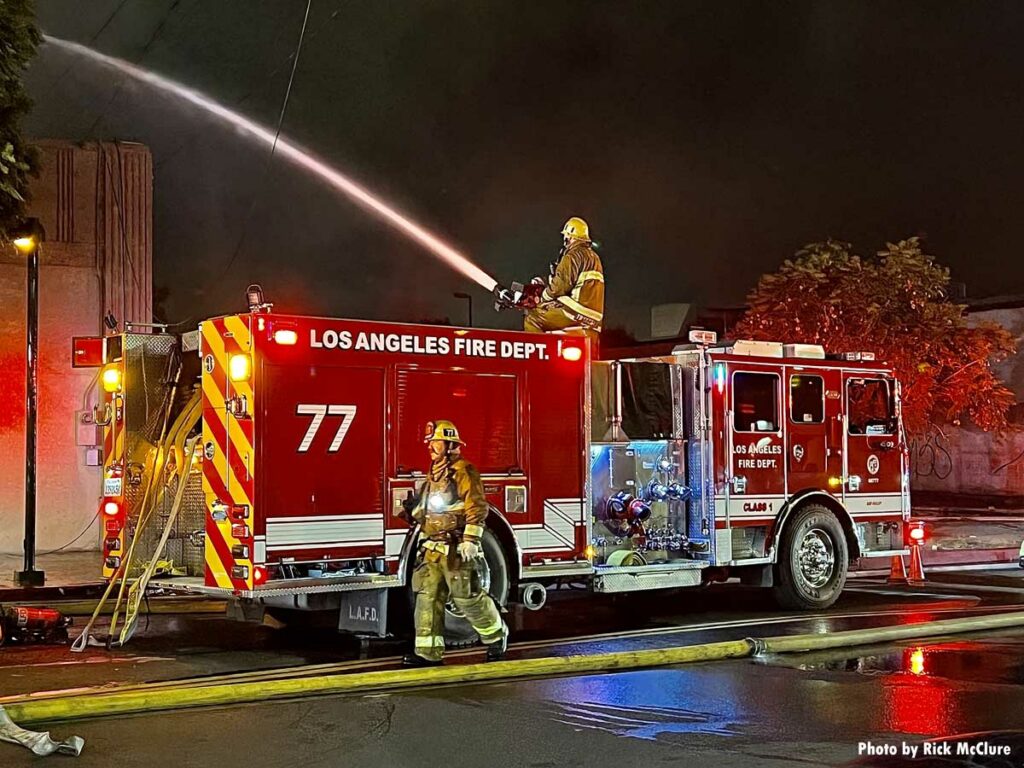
point(137, 699)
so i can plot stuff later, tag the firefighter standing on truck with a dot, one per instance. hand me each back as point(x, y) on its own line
point(574, 296)
point(451, 509)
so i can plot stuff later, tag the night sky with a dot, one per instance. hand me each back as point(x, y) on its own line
point(703, 141)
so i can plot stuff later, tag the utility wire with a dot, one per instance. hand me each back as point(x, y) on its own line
point(273, 147)
point(153, 37)
point(92, 40)
point(65, 546)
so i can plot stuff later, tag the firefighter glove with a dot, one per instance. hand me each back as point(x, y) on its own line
point(470, 550)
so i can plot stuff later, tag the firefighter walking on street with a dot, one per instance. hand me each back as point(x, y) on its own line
point(451, 509)
point(573, 300)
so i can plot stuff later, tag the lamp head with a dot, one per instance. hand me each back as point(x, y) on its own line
point(27, 236)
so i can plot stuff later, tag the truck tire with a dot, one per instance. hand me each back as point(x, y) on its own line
point(458, 632)
point(813, 560)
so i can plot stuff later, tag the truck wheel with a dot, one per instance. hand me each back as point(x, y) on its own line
point(813, 560)
point(494, 574)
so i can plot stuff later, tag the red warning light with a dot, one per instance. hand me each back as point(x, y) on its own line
point(915, 533)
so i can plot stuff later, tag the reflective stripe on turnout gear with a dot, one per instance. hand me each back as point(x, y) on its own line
point(590, 274)
point(573, 299)
point(430, 641)
point(492, 633)
point(436, 546)
point(474, 531)
point(574, 308)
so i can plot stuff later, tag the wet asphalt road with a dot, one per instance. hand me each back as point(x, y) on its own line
point(794, 710)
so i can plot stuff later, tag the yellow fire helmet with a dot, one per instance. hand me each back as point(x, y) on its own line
point(442, 430)
point(576, 228)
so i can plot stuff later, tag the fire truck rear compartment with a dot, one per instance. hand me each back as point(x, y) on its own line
point(156, 368)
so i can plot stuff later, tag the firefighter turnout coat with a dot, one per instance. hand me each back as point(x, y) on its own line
point(574, 296)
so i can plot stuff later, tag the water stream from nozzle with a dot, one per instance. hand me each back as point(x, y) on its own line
point(297, 156)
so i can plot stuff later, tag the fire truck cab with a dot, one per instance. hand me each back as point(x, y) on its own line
point(756, 460)
point(752, 459)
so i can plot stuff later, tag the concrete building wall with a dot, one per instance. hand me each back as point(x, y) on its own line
point(968, 461)
point(965, 460)
point(95, 203)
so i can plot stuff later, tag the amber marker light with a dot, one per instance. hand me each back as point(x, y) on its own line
point(111, 377)
point(239, 368)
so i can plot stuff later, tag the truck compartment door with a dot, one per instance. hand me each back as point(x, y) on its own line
point(873, 456)
point(322, 461)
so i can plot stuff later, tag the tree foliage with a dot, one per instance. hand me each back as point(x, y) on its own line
point(19, 38)
point(896, 305)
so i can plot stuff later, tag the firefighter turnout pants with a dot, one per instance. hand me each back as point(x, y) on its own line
point(552, 316)
point(438, 576)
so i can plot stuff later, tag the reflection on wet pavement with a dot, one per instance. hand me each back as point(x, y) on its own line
point(995, 658)
point(634, 722)
point(913, 692)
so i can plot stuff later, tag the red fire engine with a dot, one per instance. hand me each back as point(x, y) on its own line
point(754, 460)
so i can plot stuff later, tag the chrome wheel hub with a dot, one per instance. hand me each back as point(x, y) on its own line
point(816, 558)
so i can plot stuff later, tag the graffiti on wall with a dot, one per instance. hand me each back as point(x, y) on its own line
point(1009, 463)
point(930, 455)
point(968, 461)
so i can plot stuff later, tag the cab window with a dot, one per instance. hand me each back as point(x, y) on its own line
point(806, 399)
point(870, 407)
point(755, 402)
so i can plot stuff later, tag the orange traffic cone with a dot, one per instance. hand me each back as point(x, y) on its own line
point(916, 566)
point(898, 571)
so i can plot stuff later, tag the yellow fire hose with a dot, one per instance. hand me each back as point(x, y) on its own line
point(138, 589)
point(139, 699)
point(152, 471)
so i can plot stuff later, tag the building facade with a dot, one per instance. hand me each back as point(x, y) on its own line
point(95, 202)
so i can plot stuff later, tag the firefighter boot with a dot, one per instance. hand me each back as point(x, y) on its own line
point(496, 650)
point(412, 660)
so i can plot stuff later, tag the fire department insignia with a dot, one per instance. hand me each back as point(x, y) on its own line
point(872, 464)
point(798, 452)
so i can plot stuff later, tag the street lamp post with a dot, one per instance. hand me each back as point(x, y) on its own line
point(27, 239)
point(469, 301)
